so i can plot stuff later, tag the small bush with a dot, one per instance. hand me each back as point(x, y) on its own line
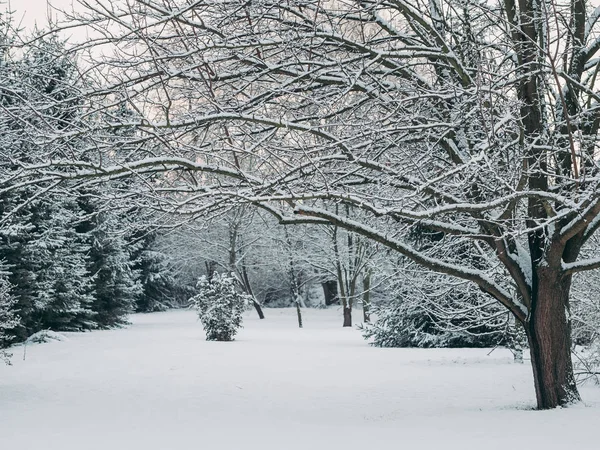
point(43, 336)
point(220, 306)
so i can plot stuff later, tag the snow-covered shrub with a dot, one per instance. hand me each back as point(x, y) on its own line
point(390, 328)
point(44, 336)
point(421, 308)
point(401, 324)
point(220, 306)
point(435, 311)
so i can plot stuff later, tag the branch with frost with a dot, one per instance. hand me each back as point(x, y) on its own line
point(84, 169)
point(476, 276)
point(581, 266)
point(583, 218)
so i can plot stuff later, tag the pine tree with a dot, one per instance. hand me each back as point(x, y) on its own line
point(8, 318)
point(38, 240)
point(65, 284)
point(158, 284)
point(11, 230)
point(47, 262)
point(220, 306)
point(15, 248)
point(116, 285)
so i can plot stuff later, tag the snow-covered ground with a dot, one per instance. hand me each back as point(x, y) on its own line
point(159, 385)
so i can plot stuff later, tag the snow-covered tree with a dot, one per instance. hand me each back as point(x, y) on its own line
point(234, 242)
point(220, 306)
point(8, 319)
point(422, 310)
point(116, 284)
point(478, 120)
point(158, 290)
point(351, 257)
point(43, 252)
point(63, 288)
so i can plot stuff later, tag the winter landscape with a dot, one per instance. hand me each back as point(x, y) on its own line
point(299, 223)
point(159, 385)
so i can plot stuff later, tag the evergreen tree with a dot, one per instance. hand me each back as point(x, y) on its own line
point(220, 306)
point(116, 285)
point(38, 240)
point(8, 319)
point(158, 285)
point(15, 249)
point(46, 258)
point(64, 286)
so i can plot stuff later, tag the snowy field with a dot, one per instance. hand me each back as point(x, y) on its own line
point(159, 385)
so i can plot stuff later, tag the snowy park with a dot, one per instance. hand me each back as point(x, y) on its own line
point(159, 385)
point(299, 224)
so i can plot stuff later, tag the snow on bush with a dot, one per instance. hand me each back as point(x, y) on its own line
point(44, 336)
point(220, 306)
point(450, 318)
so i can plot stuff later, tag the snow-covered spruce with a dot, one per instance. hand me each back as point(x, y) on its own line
point(220, 306)
point(407, 324)
point(8, 319)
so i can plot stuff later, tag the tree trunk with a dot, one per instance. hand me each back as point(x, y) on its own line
point(330, 292)
point(347, 314)
point(549, 335)
point(248, 289)
point(258, 308)
point(299, 313)
point(211, 267)
point(367, 297)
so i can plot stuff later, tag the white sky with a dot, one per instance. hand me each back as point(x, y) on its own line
point(30, 12)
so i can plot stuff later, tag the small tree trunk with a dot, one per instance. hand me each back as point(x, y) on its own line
point(248, 288)
point(347, 313)
point(258, 309)
point(211, 267)
point(549, 335)
point(367, 297)
point(298, 311)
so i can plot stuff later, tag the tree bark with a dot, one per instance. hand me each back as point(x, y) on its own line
point(347, 314)
point(330, 292)
point(211, 267)
point(258, 308)
point(298, 313)
point(367, 297)
point(549, 335)
point(248, 289)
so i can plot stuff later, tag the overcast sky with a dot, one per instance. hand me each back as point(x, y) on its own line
point(30, 12)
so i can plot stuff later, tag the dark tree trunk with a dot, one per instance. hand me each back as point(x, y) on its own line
point(299, 313)
point(331, 292)
point(367, 297)
point(211, 267)
point(248, 289)
point(549, 335)
point(258, 308)
point(347, 315)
